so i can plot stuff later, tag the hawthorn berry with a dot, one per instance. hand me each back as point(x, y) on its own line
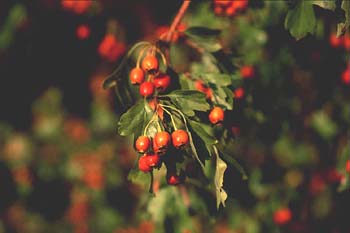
point(146, 89)
point(144, 164)
point(137, 76)
point(150, 64)
point(247, 71)
point(346, 42)
point(161, 141)
point(335, 41)
point(142, 144)
point(216, 115)
point(282, 216)
point(345, 76)
point(173, 180)
point(239, 93)
point(179, 138)
point(162, 82)
point(83, 32)
point(347, 166)
point(153, 160)
point(200, 86)
point(111, 48)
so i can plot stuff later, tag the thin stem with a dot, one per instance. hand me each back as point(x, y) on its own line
point(162, 56)
point(141, 55)
point(149, 123)
point(177, 19)
point(171, 118)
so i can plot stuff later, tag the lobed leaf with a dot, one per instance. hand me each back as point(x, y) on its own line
point(301, 20)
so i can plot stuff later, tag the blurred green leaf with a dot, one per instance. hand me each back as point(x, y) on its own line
point(301, 20)
point(202, 32)
point(326, 4)
point(221, 167)
point(132, 120)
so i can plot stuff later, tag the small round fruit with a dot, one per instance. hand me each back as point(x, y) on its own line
point(345, 76)
point(146, 89)
point(144, 165)
point(282, 216)
point(142, 144)
point(161, 140)
point(216, 115)
point(179, 138)
point(247, 71)
point(335, 41)
point(347, 166)
point(150, 64)
point(162, 82)
point(173, 180)
point(137, 76)
point(153, 160)
point(239, 93)
point(200, 86)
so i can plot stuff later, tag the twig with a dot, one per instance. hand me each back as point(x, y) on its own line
point(177, 19)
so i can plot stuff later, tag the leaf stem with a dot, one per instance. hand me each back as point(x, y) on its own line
point(171, 117)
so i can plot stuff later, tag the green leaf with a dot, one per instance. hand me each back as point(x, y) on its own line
point(326, 4)
point(223, 96)
point(138, 177)
point(218, 79)
point(301, 20)
point(343, 26)
point(221, 167)
point(204, 132)
point(202, 32)
point(323, 125)
point(132, 120)
point(189, 100)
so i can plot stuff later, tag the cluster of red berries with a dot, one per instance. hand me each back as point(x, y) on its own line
point(110, 48)
point(229, 7)
point(339, 42)
point(345, 76)
point(155, 79)
point(154, 149)
point(78, 7)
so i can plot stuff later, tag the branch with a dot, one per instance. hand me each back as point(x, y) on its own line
point(177, 19)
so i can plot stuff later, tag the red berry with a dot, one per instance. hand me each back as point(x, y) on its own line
point(143, 164)
point(346, 42)
point(146, 89)
point(239, 93)
point(179, 138)
point(247, 71)
point(142, 144)
point(173, 180)
point(83, 31)
point(345, 77)
point(162, 82)
point(347, 166)
point(334, 41)
point(200, 86)
point(153, 160)
point(137, 76)
point(282, 216)
point(161, 141)
point(150, 64)
point(216, 115)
